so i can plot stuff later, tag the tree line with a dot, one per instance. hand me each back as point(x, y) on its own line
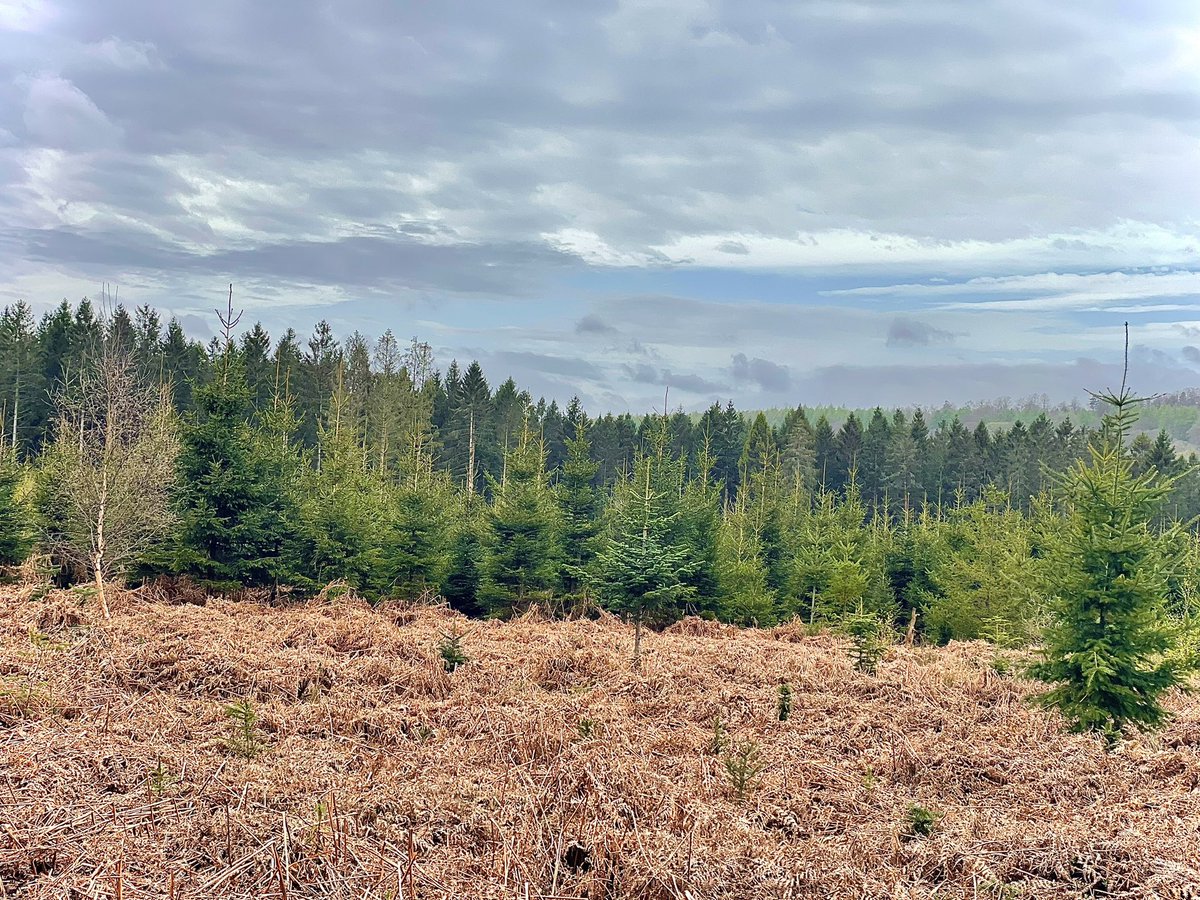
point(132, 453)
point(898, 460)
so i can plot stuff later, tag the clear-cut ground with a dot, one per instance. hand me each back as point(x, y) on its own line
point(547, 766)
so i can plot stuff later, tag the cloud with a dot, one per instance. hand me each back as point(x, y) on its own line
point(674, 181)
point(59, 115)
point(1048, 291)
point(737, 248)
point(1191, 354)
point(905, 332)
point(642, 373)
point(768, 376)
point(593, 324)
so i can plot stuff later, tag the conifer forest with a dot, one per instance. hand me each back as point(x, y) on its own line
point(287, 464)
point(722, 594)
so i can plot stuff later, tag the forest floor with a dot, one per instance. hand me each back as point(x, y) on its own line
point(547, 766)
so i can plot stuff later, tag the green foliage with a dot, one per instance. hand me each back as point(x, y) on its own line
point(160, 780)
point(743, 765)
point(243, 734)
point(640, 572)
point(579, 503)
point(1108, 650)
point(16, 532)
point(524, 533)
point(921, 821)
point(747, 596)
point(868, 642)
point(451, 650)
point(986, 581)
point(783, 704)
point(234, 520)
point(720, 736)
point(414, 556)
point(465, 566)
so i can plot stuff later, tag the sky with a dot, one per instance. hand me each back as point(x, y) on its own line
point(778, 203)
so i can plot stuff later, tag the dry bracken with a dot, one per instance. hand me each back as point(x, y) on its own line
point(379, 774)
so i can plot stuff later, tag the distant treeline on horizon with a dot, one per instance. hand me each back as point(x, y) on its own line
point(897, 455)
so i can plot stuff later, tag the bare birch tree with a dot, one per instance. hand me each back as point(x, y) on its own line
point(112, 467)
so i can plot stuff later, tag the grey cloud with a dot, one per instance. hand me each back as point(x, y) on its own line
point(407, 157)
point(379, 260)
point(767, 375)
point(196, 326)
point(641, 373)
point(549, 365)
point(906, 332)
point(593, 324)
point(59, 115)
point(674, 121)
point(1191, 354)
point(737, 248)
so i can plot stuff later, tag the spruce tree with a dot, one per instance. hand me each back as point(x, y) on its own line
point(580, 504)
point(342, 505)
point(1107, 651)
point(231, 523)
point(748, 597)
point(640, 572)
point(16, 535)
point(524, 551)
point(467, 558)
point(413, 554)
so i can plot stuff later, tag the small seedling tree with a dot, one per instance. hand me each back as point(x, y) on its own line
point(867, 643)
point(243, 738)
point(451, 650)
point(742, 767)
point(1107, 649)
point(784, 702)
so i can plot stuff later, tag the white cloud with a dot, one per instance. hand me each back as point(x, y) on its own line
point(122, 54)
point(59, 115)
point(1111, 291)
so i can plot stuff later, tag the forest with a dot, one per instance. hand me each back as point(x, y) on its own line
point(253, 462)
point(324, 620)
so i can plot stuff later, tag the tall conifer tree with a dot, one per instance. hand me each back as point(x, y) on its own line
point(1107, 651)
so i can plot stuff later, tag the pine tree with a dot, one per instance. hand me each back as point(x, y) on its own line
point(466, 561)
point(748, 597)
point(987, 584)
point(16, 535)
point(232, 523)
point(413, 552)
point(580, 504)
point(1107, 651)
point(640, 572)
point(342, 505)
point(524, 550)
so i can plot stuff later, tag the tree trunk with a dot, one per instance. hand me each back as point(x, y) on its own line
point(98, 556)
point(471, 457)
point(637, 642)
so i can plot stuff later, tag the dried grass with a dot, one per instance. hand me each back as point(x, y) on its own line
point(547, 766)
